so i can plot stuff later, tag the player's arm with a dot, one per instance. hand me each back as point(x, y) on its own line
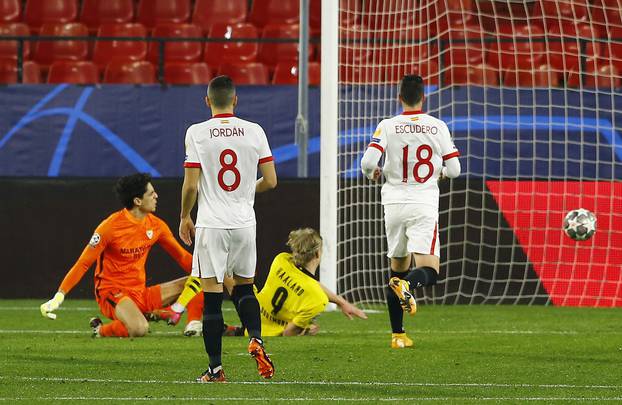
point(89, 255)
point(189, 192)
point(375, 149)
point(268, 180)
point(174, 249)
point(450, 156)
point(348, 309)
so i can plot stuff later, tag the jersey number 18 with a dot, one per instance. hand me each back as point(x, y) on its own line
point(421, 161)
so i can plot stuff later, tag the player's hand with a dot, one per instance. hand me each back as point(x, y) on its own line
point(186, 230)
point(48, 308)
point(377, 173)
point(312, 330)
point(351, 311)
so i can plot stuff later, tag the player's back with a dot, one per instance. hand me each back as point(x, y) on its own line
point(290, 294)
point(228, 150)
point(415, 145)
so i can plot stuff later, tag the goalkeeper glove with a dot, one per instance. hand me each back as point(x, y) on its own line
point(52, 305)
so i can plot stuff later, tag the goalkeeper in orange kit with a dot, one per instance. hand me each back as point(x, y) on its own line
point(119, 247)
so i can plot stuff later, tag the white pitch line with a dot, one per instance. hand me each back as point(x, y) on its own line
point(335, 383)
point(356, 399)
point(367, 332)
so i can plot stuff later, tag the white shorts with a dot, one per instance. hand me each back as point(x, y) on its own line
point(224, 251)
point(411, 228)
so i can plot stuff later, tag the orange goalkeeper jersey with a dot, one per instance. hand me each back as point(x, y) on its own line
point(120, 245)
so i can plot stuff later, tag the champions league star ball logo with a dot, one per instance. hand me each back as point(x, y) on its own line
point(94, 240)
point(150, 233)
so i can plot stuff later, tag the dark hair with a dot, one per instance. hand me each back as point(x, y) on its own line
point(221, 91)
point(411, 89)
point(130, 187)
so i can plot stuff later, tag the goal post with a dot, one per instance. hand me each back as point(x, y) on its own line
point(531, 94)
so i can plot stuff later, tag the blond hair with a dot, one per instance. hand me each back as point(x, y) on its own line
point(305, 244)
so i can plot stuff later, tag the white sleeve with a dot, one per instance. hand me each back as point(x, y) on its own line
point(374, 151)
point(452, 168)
point(192, 155)
point(449, 153)
point(265, 154)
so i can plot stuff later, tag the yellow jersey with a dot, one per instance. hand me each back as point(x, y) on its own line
point(290, 294)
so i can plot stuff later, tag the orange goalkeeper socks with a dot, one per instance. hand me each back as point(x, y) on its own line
point(114, 328)
point(195, 308)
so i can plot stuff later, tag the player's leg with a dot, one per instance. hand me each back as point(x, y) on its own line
point(423, 241)
point(242, 261)
point(209, 263)
point(129, 320)
point(400, 264)
point(108, 301)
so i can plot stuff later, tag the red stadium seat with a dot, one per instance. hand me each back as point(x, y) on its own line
point(384, 16)
point(245, 73)
point(231, 52)
point(77, 72)
point(315, 16)
point(140, 72)
point(466, 46)
point(187, 73)
point(39, 12)
point(481, 75)
point(47, 52)
point(208, 13)
point(428, 70)
point(97, 12)
point(10, 10)
point(564, 44)
point(287, 73)
point(520, 46)
point(355, 50)
point(613, 49)
point(8, 49)
point(548, 12)
point(597, 73)
point(271, 53)
point(264, 12)
point(360, 74)
point(176, 51)
point(349, 12)
point(106, 51)
point(31, 74)
point(541, 76)
point(156, 12)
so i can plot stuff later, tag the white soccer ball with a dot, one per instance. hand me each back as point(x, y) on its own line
point(580, 224)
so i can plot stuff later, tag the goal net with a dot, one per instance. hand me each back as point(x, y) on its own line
point(531, 94)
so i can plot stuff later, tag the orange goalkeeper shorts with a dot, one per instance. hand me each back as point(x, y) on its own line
point(147, 299)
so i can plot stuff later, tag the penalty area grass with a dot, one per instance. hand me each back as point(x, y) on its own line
point(462, 354)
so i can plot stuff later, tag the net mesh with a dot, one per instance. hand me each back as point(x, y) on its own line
point(530, 92)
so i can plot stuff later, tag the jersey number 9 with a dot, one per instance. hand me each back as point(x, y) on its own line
point(278, 299)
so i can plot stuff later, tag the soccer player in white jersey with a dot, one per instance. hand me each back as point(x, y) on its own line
point(222, 155)
point(418, 151)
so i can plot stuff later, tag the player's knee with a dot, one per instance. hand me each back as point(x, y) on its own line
point(138, 329)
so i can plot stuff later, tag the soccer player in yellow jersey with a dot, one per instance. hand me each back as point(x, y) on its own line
point(292, 297)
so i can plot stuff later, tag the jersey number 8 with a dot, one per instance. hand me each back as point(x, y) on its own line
point(421, 161)
point(228, 167)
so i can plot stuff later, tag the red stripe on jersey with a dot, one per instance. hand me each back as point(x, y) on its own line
point(192, 165)
point(266, 159)
point(433, 239)
point(413, 112)
point(375, 145)
point(451, 155)
point(223, 115)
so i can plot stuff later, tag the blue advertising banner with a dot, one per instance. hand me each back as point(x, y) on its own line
point(113, 130)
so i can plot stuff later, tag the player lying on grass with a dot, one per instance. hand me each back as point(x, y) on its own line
point(120, 246)
point(418, 151)
point(292, 297)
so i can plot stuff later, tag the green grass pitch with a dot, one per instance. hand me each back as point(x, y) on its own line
point(462, 354)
